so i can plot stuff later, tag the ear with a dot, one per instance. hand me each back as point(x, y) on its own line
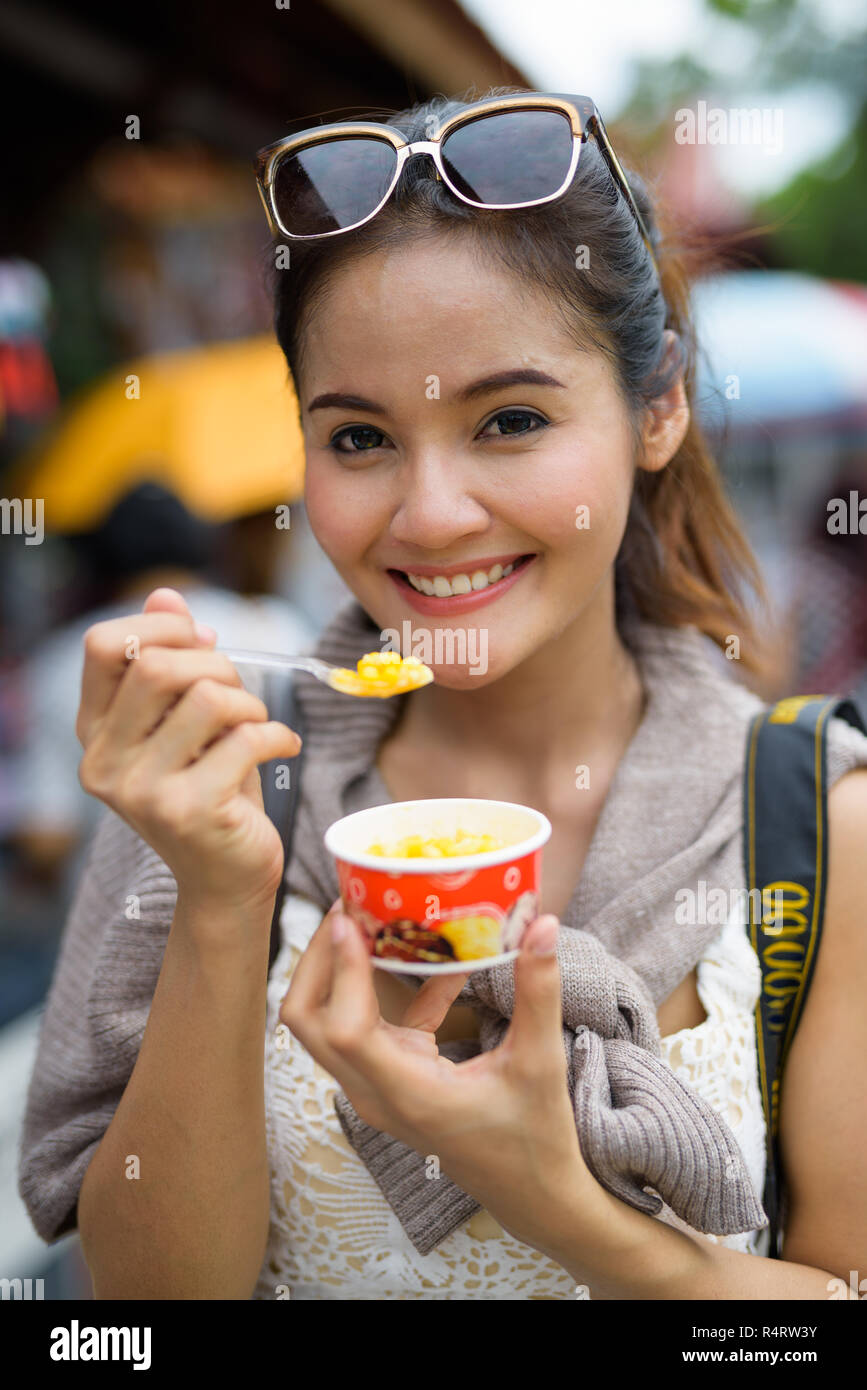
point(666, 421)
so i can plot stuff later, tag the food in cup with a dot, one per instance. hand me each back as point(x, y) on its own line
point(422, 916)
point(442, 847)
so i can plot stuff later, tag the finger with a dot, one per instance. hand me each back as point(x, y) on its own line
point(311, 978)
point(203, 712)
point(224, 765)
point(360, 1047)
point(353, 1007)
point(165, 600)
point(333, 1026)
point(154, 683)
point(109, 647)
point(535, 1033)
point(334, 1012)
point(433, 1001)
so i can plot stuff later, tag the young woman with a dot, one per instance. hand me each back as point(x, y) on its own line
point(483, 389)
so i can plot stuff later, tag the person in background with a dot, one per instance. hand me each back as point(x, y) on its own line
point(828, 616)
point(148, 540)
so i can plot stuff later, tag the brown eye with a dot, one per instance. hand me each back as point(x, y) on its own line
point(362, 438)
point(512, 422)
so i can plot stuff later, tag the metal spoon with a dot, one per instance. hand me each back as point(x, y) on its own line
point(340, 678)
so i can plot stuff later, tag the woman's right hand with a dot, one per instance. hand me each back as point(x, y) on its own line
point(172, 741)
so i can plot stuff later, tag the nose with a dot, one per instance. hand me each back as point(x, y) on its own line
point(437, 506)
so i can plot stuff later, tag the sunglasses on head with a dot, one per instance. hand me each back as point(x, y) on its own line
point(502, 153)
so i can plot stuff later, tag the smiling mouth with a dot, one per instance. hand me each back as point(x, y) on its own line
point(467, 582)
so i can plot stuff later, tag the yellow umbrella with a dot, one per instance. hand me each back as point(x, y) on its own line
point(217, 425)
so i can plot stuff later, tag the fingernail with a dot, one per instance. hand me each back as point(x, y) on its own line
point(545, 936)
point(205, 633)
point(338, 928)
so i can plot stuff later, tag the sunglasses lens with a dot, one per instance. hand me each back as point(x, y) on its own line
point(328, 187)
point(512, 157)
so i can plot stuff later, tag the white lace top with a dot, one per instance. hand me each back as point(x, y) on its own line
point(334, 1236)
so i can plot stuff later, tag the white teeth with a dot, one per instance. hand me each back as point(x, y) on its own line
point(460, 583)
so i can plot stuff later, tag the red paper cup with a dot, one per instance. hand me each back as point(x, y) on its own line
point(444, 915)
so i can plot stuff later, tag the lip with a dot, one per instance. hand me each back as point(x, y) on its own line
point(459, 603)
point(467, 567)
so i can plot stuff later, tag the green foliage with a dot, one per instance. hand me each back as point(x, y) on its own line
point(819, 218)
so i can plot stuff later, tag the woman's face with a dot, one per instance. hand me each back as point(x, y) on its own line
point(451, 426)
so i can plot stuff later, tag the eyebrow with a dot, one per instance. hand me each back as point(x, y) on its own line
point(518, 376)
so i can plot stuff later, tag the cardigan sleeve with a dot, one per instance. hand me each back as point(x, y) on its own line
point(847, 748)
point(97, 1007)
point(94, 1019)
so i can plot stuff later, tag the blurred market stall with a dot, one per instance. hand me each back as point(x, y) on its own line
point(218, 425)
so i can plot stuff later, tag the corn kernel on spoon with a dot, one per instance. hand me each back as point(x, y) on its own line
point(379, 674)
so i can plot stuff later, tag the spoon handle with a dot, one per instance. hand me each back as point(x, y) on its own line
point(312, 664)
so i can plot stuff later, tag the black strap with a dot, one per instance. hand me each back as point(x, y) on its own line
point(281, 779)
point(785, 856)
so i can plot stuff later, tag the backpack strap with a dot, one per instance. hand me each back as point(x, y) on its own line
point(281, 780)
point(785, 857)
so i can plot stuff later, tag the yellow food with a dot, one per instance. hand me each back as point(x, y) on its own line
point(438, 847)
point(472, 938)
point(382, 674)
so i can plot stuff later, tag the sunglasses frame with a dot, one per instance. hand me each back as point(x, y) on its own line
point(581, 112)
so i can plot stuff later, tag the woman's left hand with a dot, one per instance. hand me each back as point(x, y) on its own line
point(500, 1124)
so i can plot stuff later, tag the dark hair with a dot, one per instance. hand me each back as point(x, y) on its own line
point(684, 558)
point(148, 528)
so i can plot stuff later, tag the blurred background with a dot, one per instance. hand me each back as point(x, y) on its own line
point(147, 432)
